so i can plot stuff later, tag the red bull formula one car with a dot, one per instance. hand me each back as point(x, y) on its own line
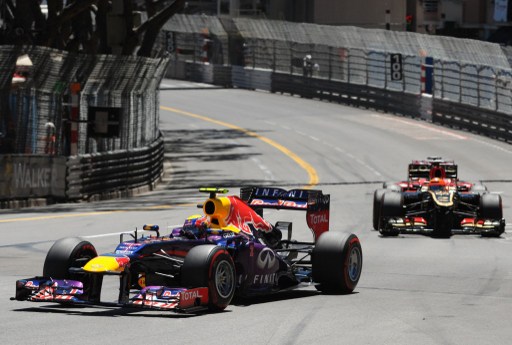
point(229, 250)
point(434, 201)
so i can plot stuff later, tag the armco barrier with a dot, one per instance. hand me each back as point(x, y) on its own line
point(35, 180)
point(114, 174)
point(474, 119)
point(252, 79)
point(351, 94)
point(359, 95)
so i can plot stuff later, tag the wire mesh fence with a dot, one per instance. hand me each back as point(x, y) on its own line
point(467, 71)
point(36, 115)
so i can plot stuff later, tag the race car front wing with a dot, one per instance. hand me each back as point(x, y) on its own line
point(43, 289)
point(467, 226)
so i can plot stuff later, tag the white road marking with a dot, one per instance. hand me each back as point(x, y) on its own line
point(269, 176)
point(369, 167)
point(497, 147)
point(349, 155)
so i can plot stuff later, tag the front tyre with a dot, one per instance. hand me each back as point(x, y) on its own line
point(491, 207)
point(392, 206)
point(67, 253)
point(337, 261)
point(210, 266)
point(377, 200)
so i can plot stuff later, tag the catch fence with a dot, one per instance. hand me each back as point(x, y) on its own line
point(77, 126)
point(43, 115)
point(351, 63)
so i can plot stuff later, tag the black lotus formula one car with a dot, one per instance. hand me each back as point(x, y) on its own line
point(434, 201)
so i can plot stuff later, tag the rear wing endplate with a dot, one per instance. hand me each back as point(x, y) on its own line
point(314, 202)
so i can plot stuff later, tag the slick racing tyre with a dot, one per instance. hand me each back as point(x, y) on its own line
point(66, 253)
point(210, 266)
point(391, 207)
point(491, 207)
point(377, 199)
point(337, 261)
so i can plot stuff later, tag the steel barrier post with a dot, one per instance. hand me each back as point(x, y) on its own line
point(75, 111)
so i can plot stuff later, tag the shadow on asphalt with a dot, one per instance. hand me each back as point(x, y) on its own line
point(119, 311)
point(279, 296)
point(197, 158)
point(194, 159)
point(104, 311)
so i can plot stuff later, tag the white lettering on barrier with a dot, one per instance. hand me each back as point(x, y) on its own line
point(26, 177)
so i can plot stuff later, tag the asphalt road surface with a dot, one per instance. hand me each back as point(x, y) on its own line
point(413, 290)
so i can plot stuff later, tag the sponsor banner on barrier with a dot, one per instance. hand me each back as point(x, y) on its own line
point(27, 176)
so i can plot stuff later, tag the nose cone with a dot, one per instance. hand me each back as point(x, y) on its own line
point(106, 264)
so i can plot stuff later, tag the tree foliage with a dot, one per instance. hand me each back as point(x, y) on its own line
point(84, 25)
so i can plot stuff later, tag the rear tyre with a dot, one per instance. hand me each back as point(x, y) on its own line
point(210, 266)
point(337, 261)
point(377, 199)
point(67, 253)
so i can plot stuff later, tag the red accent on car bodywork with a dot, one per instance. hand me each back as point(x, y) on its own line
point(193, 297)
point(241, 215)
point(318, 222)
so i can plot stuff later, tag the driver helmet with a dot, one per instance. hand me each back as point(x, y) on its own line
point(437, 184)
point(195, 226)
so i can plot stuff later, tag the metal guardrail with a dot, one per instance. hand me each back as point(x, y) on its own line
point(114, 173)
point(32, 180)
point(473, 119)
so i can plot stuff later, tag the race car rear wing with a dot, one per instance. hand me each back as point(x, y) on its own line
point(428, 169)
point(314, 202)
